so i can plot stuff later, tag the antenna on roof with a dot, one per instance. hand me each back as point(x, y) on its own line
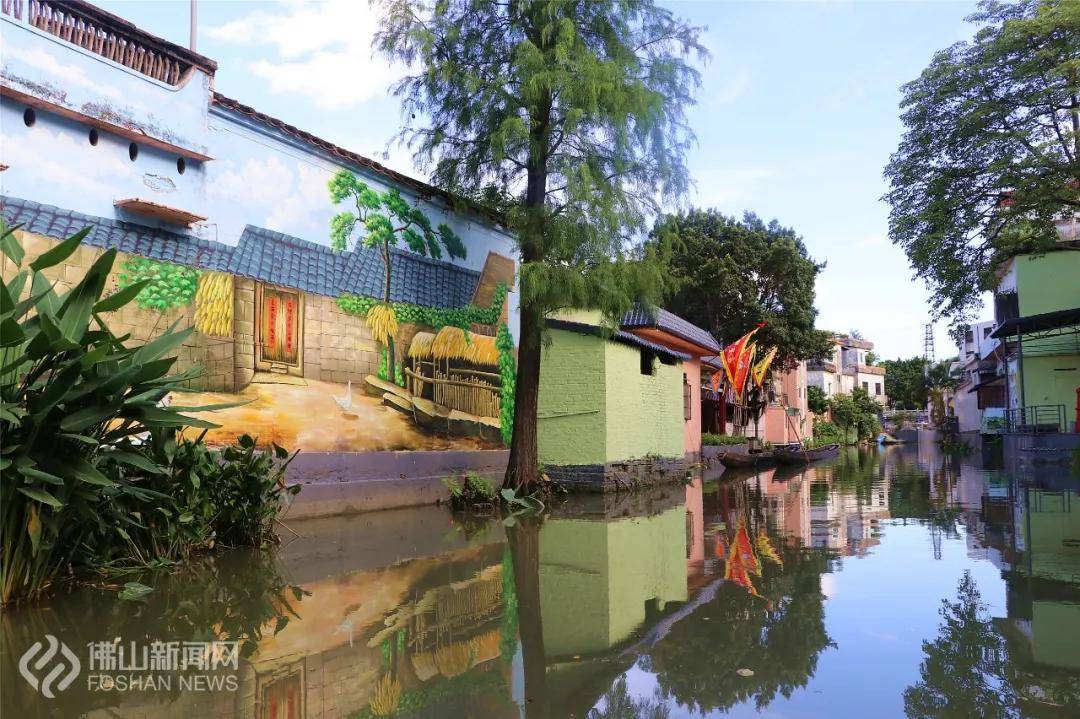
point(194, 24)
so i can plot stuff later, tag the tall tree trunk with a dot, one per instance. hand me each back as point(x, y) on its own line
point(524, 538)
point(391, 359)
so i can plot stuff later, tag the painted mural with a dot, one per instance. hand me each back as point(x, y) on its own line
point(336, 305)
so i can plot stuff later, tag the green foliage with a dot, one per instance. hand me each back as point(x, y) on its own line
point(386, 219)
point(827, 433)
point(507, 382)
point(469, 490)
point(816, 401)
point(571, 117)
point(857, 414)
point(383, 372)
point(436, 317)
point(721, 440)
point(991, 153)
point(908, 384)
point(729, 275)
point(167, 286)
point(73, 399)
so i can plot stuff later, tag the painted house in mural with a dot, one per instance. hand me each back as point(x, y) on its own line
point(228, 209)
point(611, 405)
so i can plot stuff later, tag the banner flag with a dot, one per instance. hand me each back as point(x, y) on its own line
point(742, 371)
point(762, 367)
point(732, 354)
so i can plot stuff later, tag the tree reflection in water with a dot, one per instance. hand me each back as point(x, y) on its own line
point(779, 635)
point(972, 667)
point(617, 703)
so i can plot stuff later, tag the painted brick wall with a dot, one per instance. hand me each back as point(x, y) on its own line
point(644, 412)
point(215, 354)
point(338, 347)
point(571, 426)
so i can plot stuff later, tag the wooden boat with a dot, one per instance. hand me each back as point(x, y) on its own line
point(796, 455)
point(740, 460)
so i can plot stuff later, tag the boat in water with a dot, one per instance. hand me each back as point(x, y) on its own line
point(803, 455)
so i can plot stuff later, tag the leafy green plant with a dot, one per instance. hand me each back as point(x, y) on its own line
point(721, 440)
point(166, 285)
point(435, 317)
point(469, 490)
point(826, 433)
point(508, 381)
point(816, 401)
point(74, 400)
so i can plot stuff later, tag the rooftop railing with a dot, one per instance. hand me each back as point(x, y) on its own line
point(110, 37)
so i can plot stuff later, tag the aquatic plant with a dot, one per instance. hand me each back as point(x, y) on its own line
point(74, 398)
point(469, 490)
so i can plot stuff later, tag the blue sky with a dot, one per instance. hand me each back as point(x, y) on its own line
point(797, 116)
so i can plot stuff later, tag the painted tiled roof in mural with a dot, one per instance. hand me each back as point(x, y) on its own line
point(263, 255)
point(670, 322)
point(108, 234)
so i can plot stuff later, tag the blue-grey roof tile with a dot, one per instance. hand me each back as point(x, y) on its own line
point(264, 255)
point(670, 322)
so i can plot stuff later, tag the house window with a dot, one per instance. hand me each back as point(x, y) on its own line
point(686, 399)
point(877, 388)
point(866, 387)
point(648, 362)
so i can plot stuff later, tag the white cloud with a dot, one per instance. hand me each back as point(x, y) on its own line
point(67, 165)
point(730, 189)
point(319, 50)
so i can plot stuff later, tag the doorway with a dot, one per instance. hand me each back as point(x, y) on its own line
point(279, 330)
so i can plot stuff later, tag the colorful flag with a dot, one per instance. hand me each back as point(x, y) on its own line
point(742, 371)
point(732, 357)
point(762, 367)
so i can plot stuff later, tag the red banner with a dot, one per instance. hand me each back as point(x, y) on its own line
point(290, 313)
point(271, 321)
point(736, 356)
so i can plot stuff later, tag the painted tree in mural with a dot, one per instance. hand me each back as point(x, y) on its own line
point(990, 157)
point(575, 110)
point(386, 220)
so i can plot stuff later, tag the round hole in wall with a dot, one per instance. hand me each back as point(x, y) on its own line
point(133, 151)
point(93, 137)
point(29, 117)
point(181, 165)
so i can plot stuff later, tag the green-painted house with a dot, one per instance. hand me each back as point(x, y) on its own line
point(611, 407)
point(1037, 309)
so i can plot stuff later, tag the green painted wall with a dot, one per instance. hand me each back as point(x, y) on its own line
point(596, 407)
point(1052, 380)
point(644, 412)
point(1049, 282)
point(593, 600)
point(571, 424)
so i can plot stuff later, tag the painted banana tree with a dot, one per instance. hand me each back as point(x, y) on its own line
point(383, 220)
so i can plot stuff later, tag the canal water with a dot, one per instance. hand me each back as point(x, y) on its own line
point(887, 583)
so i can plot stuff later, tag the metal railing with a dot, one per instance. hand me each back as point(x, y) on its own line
point(1036, 419)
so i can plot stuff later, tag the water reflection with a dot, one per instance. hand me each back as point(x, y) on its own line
point(919, 584)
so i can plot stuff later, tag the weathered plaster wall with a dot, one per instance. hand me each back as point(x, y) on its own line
point(215, 354)
point(258, 175)
point(1053, 380)
point(572, 416)
point(644, 412)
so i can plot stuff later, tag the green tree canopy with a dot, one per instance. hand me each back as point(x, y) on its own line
point(991, 153)
point(574, 110)
point(731, 274)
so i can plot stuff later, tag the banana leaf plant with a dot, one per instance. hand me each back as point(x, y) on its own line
point(76, 402)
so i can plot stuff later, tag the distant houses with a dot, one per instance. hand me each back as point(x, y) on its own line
point(847, 368)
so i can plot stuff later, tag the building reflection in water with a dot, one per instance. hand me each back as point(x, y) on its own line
point(415, 614)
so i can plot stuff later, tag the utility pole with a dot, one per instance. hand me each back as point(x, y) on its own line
point(194, 24)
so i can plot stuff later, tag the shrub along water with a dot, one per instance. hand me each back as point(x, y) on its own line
point(721, 440)
point(82, 419)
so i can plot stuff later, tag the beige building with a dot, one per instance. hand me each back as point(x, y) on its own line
point(847, 368)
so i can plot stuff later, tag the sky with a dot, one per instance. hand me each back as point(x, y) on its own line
point(796, 117)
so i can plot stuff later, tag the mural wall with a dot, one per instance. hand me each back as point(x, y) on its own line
point(341, 306)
